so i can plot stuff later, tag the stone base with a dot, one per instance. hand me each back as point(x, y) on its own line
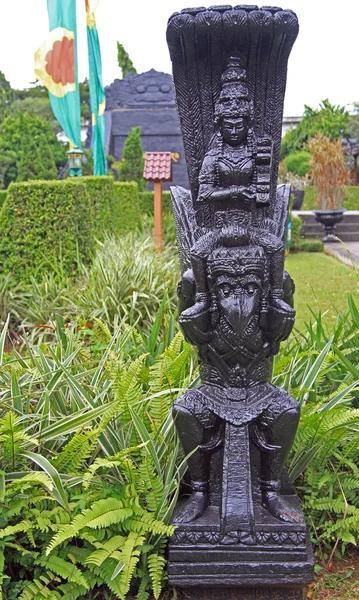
point(272, 556)
point(235, 593)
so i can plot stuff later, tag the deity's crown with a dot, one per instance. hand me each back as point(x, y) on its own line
point(234, 96)
point(234, 261)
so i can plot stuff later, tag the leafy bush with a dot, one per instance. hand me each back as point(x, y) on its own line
point(351, 201)
point(298, 163)
point(296, 229)
point(127, 280)
point(126, 212)
point(35, 160)
point(2, 196)
point(329, 119)
point(321, 372)
point(301, 244)
point(132, 163)
point(100, 190)
point(307, 245)
point(147, 200)
point(12, 133)
point(45, 225)
point(105, 424)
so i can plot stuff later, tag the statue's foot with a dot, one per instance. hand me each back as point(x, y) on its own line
point(193, 508)
point(280, 508)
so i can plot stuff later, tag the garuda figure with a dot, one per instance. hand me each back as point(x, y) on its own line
point(235, 299)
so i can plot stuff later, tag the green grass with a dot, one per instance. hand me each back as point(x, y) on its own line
point(322, 284)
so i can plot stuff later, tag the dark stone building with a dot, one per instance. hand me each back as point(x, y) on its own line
point(145, 100)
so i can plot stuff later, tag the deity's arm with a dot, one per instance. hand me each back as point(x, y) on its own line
point(211, 191)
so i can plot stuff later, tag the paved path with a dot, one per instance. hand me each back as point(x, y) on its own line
point(347, 252)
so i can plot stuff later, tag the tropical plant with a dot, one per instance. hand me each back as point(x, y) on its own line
point(322, 372)
point(90, 465)
point(329, 119)
point(132, 163)
point(329, 172)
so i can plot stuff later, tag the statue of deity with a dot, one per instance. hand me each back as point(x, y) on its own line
point(235, 303)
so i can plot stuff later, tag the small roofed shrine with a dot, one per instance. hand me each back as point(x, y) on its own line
point(158, 169)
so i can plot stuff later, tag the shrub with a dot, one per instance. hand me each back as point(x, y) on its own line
point(132, 163)
point(126, 212)
point(328, 171)
point(296, 229)
point(2, 197)
point(45, 225)
point(351, 201)
point(107, 429)
point(100, 190)
point(298, 163)
point(300, 244)
point(146, 202)
point(12, 133)
point(307, 245)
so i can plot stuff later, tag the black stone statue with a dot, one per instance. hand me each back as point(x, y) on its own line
point(242, 525)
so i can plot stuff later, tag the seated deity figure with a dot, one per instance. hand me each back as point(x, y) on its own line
point(233, 189)
point(236, 368)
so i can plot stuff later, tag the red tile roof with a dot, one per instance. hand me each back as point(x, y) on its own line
point(158, 166)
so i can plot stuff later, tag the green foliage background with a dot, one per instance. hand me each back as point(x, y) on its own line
point(132, 163)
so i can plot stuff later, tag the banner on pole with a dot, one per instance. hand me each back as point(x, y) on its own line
point(56, 67)
point(97, 92)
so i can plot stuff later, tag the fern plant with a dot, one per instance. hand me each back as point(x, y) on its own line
point(321, 370)
point(91, 465)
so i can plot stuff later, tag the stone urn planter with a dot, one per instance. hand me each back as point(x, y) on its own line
point(329, 218)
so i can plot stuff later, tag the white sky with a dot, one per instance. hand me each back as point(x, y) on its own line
point(324, 62)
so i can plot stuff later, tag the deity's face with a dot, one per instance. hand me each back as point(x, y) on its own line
point(239, 297)
point(235, 130)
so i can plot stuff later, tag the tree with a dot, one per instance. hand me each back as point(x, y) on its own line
point(29, 163)
point(124, 61)
point(6, 96)
point(132, 162)
point(330, 120)
point(352, 129)
point(13, 132)
point(48, 169)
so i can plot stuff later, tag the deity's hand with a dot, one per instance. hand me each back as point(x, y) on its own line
point(196, 325)
point(247, 194)
point(280, 321)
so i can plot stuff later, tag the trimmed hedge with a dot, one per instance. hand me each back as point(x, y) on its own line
point(2, 197)
point(307, 245)
point(126, 211)
point(350, 203)
point(100, 190)
point(45, 225)
point(146, 202)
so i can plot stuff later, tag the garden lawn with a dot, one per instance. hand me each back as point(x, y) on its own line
point(322, 284)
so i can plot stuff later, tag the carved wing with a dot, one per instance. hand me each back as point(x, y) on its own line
point(185, 223)
point(200, 43)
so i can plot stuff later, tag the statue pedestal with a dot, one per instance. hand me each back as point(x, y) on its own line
point(244, 594)
point(273, 560)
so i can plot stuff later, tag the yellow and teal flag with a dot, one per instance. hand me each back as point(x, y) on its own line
point(97, 92)
point(56, 67)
